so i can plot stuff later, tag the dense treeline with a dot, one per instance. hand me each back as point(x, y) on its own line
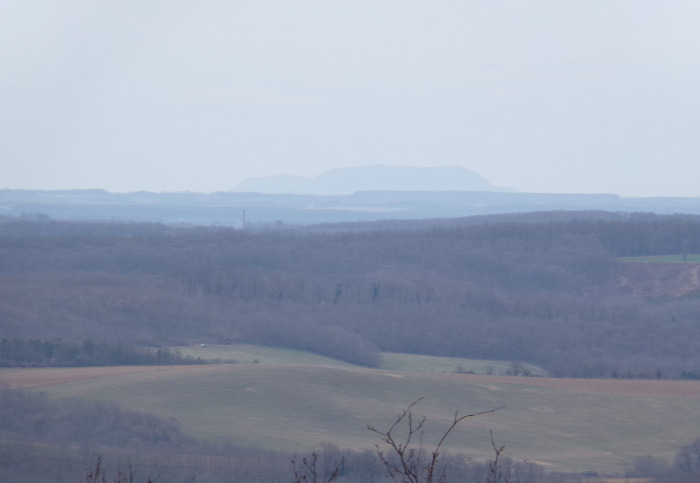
point(685, 466)
point(59, 353)
point(35, 417)
point(545, 288)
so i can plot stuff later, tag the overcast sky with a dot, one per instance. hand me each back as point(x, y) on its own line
point(543, 96)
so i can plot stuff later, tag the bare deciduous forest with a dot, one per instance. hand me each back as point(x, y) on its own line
point(547, 289)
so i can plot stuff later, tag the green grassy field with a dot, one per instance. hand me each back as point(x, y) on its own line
point(242, 353)
point(297, 406)
point(694, 258)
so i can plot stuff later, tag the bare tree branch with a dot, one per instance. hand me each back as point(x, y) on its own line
point(410, 467)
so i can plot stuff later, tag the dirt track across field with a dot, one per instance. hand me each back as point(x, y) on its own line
point(38, 377)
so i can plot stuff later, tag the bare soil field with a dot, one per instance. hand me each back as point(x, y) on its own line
point(39, 377)
point(658, 279)
point(16, 378)
point(629, 387)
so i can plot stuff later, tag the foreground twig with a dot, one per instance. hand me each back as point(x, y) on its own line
point(407, 465)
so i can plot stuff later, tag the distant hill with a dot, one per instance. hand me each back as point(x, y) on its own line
point(343, 181)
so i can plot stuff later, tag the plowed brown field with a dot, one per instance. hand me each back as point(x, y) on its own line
point(38, 377)
point(631, 387)
point(47, 376)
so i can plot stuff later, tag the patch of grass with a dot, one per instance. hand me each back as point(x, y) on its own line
point(694, 258)
point(296, 407)
point(420, 363)
point(250, 354)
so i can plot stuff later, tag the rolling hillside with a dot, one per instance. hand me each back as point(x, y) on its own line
point(564, 424)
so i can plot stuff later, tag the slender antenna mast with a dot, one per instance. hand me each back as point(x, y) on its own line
point(243, 224)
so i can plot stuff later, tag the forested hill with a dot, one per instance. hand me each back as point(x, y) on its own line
point(545, 288)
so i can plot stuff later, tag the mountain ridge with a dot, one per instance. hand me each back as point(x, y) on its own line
point(378, 177)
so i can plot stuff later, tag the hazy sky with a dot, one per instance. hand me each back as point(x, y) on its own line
point(544, 96)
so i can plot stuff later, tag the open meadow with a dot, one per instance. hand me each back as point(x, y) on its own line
point(564, 424)
point(244, 353)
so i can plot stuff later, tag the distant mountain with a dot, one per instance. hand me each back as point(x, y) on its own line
point(343, 181)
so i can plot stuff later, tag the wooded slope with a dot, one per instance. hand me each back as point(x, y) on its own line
point(544, 288)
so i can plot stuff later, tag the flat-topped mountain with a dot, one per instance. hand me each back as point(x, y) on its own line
point(343, 181)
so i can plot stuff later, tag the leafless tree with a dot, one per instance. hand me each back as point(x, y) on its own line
point(497, 473)
point(98, 474)
point(407, 460)
point(308, 471)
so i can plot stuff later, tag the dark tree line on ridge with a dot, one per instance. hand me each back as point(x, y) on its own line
point(61, 353)
point(543, 288)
